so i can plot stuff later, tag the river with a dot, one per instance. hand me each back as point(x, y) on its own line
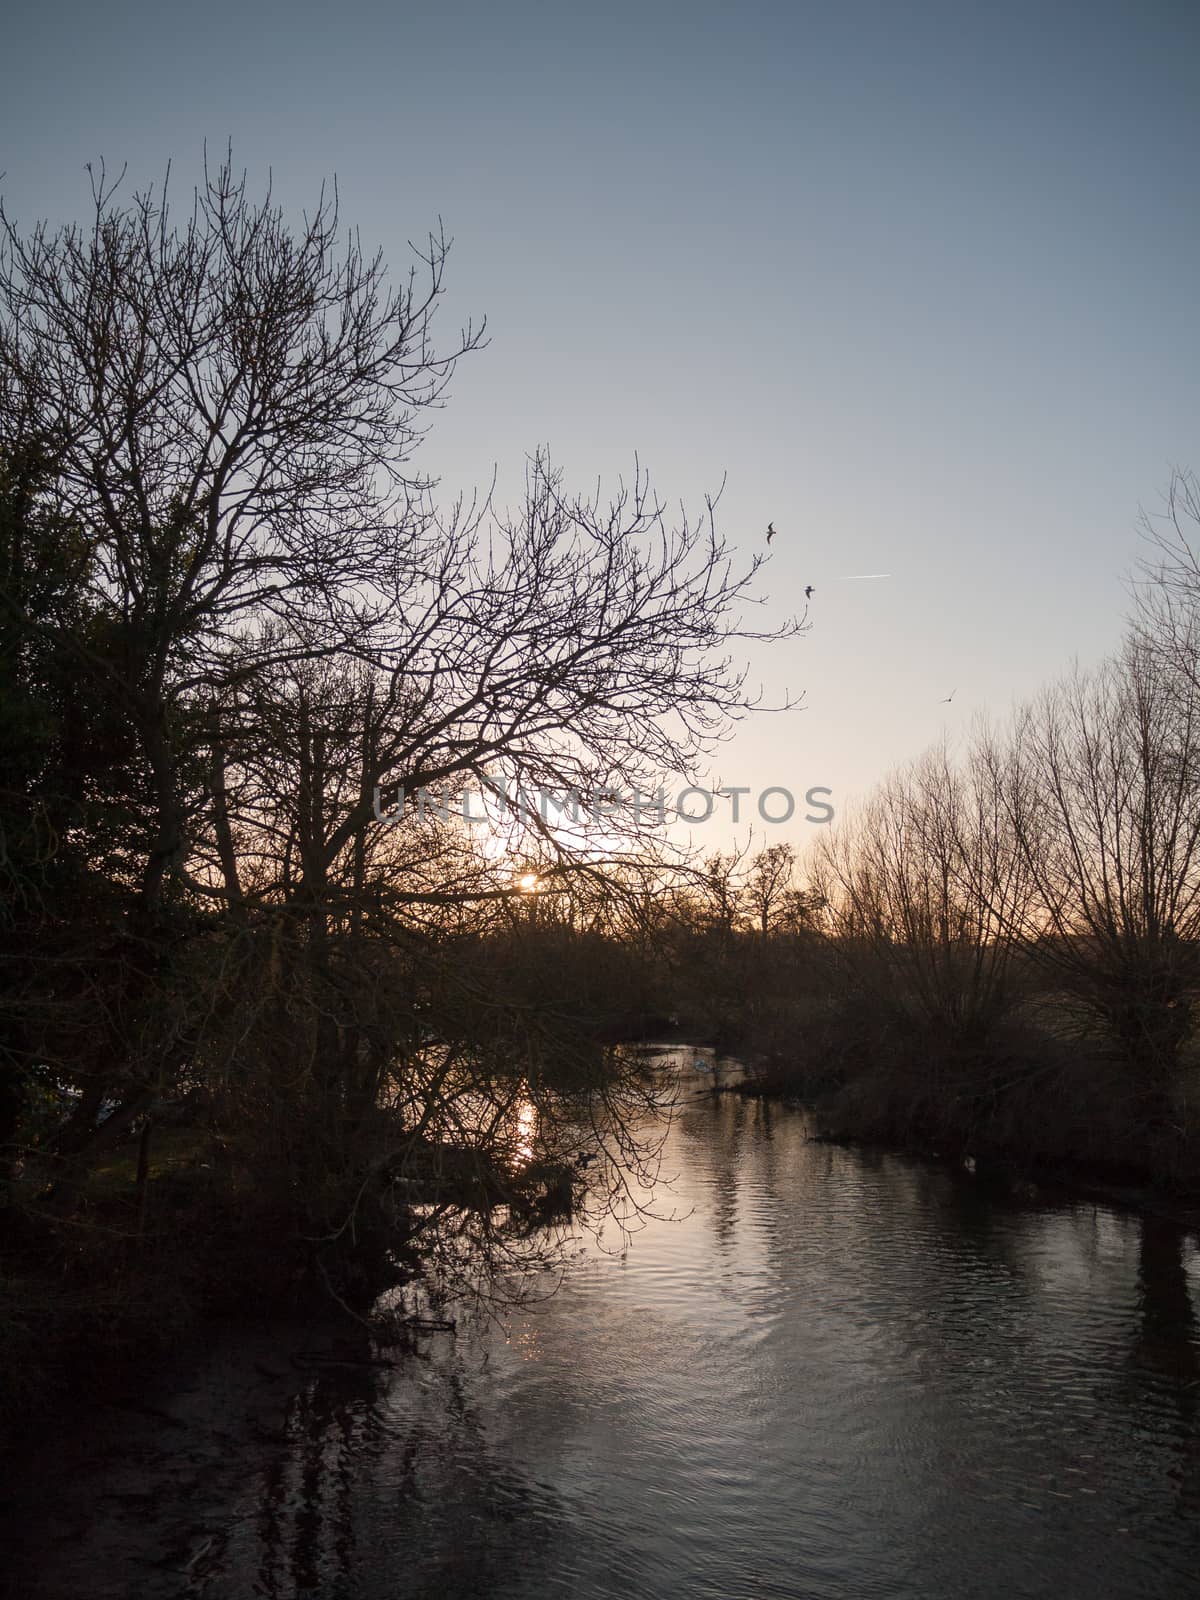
point(831, 1373)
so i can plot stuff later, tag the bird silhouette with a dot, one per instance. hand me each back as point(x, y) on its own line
point(770, 531)
point(948, 698)
point(809, 591)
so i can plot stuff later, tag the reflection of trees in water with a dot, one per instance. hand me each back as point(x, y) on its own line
point(368, 1496)
point(306, 1522)
point(1164, 1364)
point(727, 1162)
point(731, 1138)
point(978, 1221)
point(891, 1242)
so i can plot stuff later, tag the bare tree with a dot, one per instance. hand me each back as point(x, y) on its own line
point(769, 884)
point(1166, 586)
point(923, 887)
point(231, 408)
point(1102, 795)
point(289, 625)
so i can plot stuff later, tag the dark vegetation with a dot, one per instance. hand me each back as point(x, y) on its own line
point(256, 1043)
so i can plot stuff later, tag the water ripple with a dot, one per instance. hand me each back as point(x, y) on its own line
point(842, 1375)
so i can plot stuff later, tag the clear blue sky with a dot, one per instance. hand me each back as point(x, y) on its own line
point(920, 279)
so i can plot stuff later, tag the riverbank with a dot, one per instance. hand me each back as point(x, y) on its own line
point(149, 1263)
point(1066, 1126)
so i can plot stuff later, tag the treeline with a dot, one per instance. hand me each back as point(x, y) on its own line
point(248, 1031)
point(1012, 933)
point(717, 951)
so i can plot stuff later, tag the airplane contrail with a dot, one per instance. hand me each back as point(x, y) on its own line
point(853, 577)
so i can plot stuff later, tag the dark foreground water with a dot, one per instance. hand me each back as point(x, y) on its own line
point(842, 1375)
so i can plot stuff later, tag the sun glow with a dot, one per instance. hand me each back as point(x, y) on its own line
point(529, 883)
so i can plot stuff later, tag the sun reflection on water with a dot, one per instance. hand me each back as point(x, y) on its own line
point(526, 1131)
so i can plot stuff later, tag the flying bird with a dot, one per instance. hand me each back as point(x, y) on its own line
point(948, 698)
point(770, 531)
point(809, 591)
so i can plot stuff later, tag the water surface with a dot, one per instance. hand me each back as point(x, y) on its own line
point(836, 1374)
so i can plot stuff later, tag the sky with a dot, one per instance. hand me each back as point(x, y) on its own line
point(916, 282)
